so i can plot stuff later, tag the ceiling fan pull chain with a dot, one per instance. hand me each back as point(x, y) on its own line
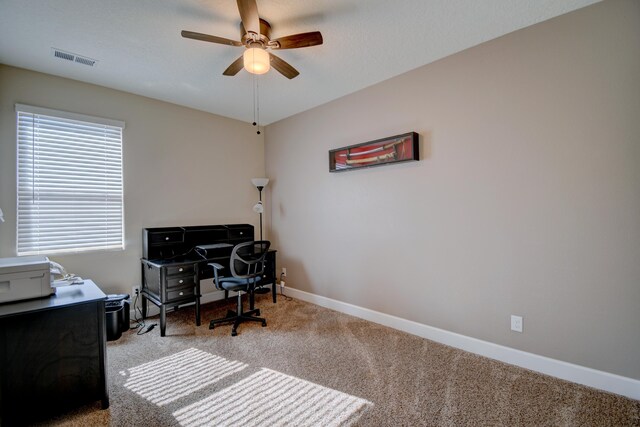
point(258, 103)
point(253, 88)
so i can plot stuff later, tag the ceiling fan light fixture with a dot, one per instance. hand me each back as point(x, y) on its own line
point(256, 60)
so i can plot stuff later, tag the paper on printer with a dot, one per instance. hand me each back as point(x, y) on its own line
point(60, 277)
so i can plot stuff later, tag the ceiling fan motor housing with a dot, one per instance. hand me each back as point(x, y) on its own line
point(263, 38)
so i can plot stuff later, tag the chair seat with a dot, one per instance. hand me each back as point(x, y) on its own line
point(235, 284)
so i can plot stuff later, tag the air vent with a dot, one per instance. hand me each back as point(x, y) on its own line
point(68, 56)
point(63, 55)
point(85, 61)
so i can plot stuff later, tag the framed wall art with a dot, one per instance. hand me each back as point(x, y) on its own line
point(394, 149)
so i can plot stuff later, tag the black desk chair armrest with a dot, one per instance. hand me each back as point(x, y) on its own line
point(217, 267)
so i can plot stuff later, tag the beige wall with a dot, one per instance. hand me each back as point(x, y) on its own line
point(181, 167)
point(526, 200)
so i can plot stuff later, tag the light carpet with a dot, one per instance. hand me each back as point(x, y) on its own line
point(312, 366)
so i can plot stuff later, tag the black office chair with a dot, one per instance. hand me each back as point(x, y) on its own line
point(247, 267)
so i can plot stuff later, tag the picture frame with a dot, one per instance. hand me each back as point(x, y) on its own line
point(385, 151)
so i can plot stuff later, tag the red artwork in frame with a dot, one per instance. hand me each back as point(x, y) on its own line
point(394, 149)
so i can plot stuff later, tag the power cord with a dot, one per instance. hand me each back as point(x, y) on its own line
point(140, 323)
point(185, 253)
point(286, 298)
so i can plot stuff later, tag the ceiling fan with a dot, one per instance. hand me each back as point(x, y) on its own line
point(255, 35)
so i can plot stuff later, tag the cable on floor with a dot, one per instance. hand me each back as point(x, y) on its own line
point(139, 322)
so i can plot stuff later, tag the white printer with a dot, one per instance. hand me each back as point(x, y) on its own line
point(25, 277)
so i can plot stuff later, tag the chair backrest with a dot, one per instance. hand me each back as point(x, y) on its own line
point(247, 259)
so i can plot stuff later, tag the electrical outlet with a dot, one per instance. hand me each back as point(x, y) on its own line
point(516, 323)
point(135, 291)
point(284, 271)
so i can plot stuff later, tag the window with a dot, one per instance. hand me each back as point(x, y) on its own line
point(69, 182)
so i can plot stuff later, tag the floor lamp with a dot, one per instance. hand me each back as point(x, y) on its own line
point(260, 183)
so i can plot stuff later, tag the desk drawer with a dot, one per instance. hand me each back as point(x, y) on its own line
point(180, 293)
point(180, 281)
point(180, 269)
point(165, 237)
point(245, 234)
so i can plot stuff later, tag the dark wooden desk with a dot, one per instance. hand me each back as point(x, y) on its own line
point(52, 353)
point(173, 264)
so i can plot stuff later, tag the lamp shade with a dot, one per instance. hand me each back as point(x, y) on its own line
point(256, 60)
point(260, 182)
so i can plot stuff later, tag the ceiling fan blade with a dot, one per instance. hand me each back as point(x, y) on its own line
point(208, 38)
point(283, 67)
point(313, 38)
point(235, 66)
point(249, 15)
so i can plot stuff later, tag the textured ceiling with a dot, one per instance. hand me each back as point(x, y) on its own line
point(139, 48)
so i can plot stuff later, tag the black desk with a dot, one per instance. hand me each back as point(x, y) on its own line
point(172, 264)
point(53, 353)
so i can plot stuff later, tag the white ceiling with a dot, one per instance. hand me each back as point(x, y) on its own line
point(140, 50)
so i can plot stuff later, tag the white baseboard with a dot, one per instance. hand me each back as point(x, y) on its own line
point(567, 371)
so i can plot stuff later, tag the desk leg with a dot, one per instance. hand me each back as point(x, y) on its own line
point(143, 305)
point(273, 291)
point(197, 305)
point(163, 320)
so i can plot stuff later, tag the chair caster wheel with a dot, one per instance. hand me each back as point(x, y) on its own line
point(258, 312)
point(234, 333)
point(211, 326)
point(264, 324)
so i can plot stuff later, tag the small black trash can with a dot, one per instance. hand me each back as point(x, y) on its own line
point(117, 315)
point(113, 319)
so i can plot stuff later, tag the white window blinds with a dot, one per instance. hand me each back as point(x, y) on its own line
point(69, 182)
